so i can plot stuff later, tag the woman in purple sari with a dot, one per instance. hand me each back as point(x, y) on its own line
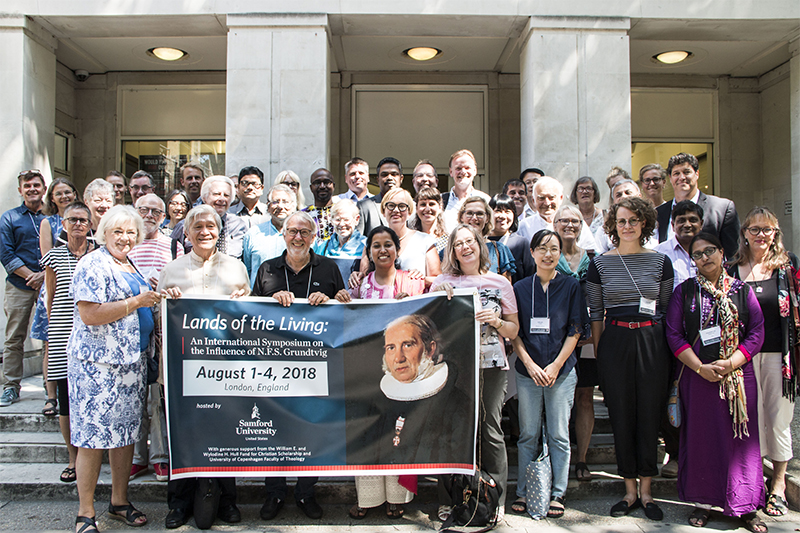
point(714, 325)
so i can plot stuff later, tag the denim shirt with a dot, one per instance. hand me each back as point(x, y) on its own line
point(96, 280)
point(19, 243)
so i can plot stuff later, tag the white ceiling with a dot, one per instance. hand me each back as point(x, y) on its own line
point(375, 43)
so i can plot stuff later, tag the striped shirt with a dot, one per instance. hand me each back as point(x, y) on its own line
point(615, 284)
point(152, 255)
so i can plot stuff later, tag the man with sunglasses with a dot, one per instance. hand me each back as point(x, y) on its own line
point(297, 273)
point(150, 257)
point(19, 253)
point(249, 189)
point(720, 217)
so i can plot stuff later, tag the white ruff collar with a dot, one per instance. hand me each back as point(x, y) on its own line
point(418, 389)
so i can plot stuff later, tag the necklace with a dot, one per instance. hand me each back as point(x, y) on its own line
point(759, 288)
point(117, 261)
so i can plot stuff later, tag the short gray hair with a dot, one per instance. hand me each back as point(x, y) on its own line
point(345, 204)
point(98, 186)
point(209, 181)
point(308, 219)
point(282, 188)
point(115, 218)
point(571, 208)
point(623, 182)
point(160, 201)
point(202, 209)
point(547, 180)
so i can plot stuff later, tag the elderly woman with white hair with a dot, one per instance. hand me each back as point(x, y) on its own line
point(107, 353)
point(219, 192)
point(346, 245)
point(292, 180)
point(99, 196)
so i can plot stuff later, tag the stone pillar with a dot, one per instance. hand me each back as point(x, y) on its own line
point(794, 125)
point(278, 94)
point(27, 113)
point(575, 108)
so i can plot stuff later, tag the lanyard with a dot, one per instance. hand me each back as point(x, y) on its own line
point(310, 273)
point(35, 227)
point(533, 298)
point(630, 275)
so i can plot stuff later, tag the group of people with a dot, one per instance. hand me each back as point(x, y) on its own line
point(627, 296)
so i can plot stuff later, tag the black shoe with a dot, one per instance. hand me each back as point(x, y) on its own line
point(621, 508)
point(176, 518)
point(228, 512)
point(206, 502)
point(310, 507)
point(271, 508)
point(653, 512)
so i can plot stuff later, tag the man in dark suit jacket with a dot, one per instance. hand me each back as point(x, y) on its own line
point(390, 175)
point(720, 217)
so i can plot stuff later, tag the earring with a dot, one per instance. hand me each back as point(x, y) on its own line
point(746, 242)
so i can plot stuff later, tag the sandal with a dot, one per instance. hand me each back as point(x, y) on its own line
point(556, 511)
point(88, 526)
point(68, 475)
point(131, 514)
point(357, 512)
point(582, 472)
point(699, 517)
point(753, 523)
point(50, 407)
point(520, 506)
point(776, 505)
point(394, 510)
point(444, 512)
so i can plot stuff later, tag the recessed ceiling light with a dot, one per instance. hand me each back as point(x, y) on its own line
point(167, 54)
point(422, 53)
point(670, 58)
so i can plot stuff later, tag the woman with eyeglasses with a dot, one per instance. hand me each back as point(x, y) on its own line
point(771, 272)
point(652, 179)
point(466, 265)
point(59, 264)
point(59, 195)
point(714, 326)
point(628, 289)
point(475, 212)
point(292, 180)
point(586, 196)
point(177, 206)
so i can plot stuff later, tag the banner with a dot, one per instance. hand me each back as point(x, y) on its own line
point(372, 387)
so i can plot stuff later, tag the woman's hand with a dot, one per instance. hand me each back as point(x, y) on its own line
point(172, 292)
point(415, 274)
point(446, 287)
point(146, 299)
point(711, 372)
point(487, 316)
point(723, 366)
point(355, 280)
point(343, 296)
point(535, 372)
point(551, 371)
point(238, 293)
point(401, 295)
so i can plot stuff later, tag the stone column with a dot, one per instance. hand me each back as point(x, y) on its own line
point(794, 127)
point(277, 94)
point(575, 110)
point(27, 113)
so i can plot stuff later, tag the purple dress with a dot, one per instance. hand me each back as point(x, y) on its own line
point(716, 468)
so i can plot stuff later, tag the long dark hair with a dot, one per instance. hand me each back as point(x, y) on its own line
point(395, 239)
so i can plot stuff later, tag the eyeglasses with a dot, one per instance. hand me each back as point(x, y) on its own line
point(424, 175)
point(391, 206)
point(281, 202)
point(304, 233)
point(144, 188)
point(569, 222)
point(554, 250)
point(292, 184)
point(76, 221)
point(708, 252)
point(460, 244)
point(144, 211)
point(248, 184)
point(755, 230)
point(632, 222)
point(648, 181)
point(474, 214)
point(585, 189)
point(178, 204)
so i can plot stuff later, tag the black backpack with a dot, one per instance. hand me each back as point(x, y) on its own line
point(475, 501)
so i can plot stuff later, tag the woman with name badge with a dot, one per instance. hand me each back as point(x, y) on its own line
point(715, 327)
point(628, 289)
point(770, 271)
point(545, 366)
point(466, 265)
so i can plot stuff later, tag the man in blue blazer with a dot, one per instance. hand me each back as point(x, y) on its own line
point(720, 217)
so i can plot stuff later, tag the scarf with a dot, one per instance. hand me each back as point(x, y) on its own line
point(731, 387)
point(788, 305)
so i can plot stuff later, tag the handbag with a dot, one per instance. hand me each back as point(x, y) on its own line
point(539, 483)
point(476, 498)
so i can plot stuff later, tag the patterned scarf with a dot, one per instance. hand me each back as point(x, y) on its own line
point(731, 387)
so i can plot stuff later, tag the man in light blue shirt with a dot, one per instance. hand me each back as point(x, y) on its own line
point(265, 241)
point(687, 221)
point(356, 176)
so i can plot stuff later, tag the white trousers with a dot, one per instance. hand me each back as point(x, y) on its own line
point(774, 410)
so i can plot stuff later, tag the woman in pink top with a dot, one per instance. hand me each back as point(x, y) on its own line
point(384, 281)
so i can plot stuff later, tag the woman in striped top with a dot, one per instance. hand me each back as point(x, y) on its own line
point(628, 290)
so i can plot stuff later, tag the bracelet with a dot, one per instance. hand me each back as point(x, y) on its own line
point(501, 324)
point(127, 310)
point(699, 367)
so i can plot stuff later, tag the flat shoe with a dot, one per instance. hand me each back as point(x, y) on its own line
point(653, 511)
point(519, 506)
point(310, 507)
point(622, 508)
point(271, 508)
point(753, 523)
point(555, 511)
point(776, 506)
point(699, 517)
point(394, 510)
point(89, 524)
point(582, 472)
point(176, 518)
point(68, 475)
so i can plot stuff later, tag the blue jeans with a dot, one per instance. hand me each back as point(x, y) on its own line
point(557, 402)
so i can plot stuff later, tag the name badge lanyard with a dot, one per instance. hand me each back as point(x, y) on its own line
point(646, 305)
point(709, 335)
point(308, 289)
point(542, 324)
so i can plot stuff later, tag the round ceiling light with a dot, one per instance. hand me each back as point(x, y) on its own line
point(422, 53)
point(672, 57)
point(167, 54)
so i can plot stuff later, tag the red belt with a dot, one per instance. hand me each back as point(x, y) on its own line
point(632, 325)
